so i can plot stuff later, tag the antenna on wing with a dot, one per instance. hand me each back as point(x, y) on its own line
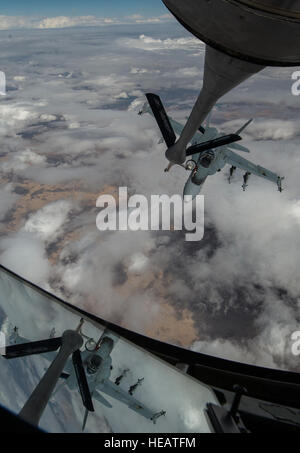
point(244, 127)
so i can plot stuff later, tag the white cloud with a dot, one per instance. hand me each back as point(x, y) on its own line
point(154, 44)
point(81, 21)
point(138, 19)
point(21, 160)
point(14, 22)
point(25, 254)
point(7, 200)
point(144, 71)
point(275, 130)
point(13, 115)
point(47, 222)
point(47, 118)
point(268, 129)
point(188, 72)
point(138, 263)
point(19, 78)
point(10, 22)
point(122, 95)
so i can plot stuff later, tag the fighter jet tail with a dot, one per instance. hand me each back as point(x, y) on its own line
point(161, 118)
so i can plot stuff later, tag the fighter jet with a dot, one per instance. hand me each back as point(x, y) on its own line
point(96, 367)
point(210, 152)
point(242, 37)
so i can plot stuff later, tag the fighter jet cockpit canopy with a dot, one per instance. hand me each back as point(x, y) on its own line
point(207, 159)
point(93, 364)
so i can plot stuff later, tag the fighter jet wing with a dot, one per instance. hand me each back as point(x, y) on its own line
point(237, 161)
point(15, 339)
point(239, 147)
point(119, 394)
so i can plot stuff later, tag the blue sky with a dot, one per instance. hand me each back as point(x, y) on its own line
point(114, 8)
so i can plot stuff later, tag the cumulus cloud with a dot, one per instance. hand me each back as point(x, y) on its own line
point(15, 116)
point(15, 22)
point(19, 78)
point(268, 129)
point(8, 22)
point(275, 130)
point(139, 19)
point(7, 200)
point(63, 22)
point(22, 160)
point(138, 263)
point(26, 255)
point(47, 222)
point(149, 43)
point(272, 348)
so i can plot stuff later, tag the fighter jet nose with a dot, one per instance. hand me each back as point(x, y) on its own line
point(176, 154)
